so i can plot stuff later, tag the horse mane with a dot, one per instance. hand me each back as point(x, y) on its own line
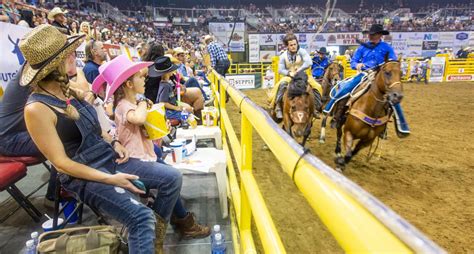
point(298, 85)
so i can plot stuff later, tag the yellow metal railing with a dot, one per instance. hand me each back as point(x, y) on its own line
point(357, 220)
point(249, 68)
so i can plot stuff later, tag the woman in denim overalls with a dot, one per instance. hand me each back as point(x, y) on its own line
point(66, 130)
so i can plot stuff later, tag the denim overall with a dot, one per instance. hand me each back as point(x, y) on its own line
point(116, 202)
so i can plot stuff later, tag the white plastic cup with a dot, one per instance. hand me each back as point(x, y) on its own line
point(177, 153)
point(48, 225)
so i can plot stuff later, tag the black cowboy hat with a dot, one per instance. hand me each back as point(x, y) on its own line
point(161, 66)
point(322, 50)
point(376, 29)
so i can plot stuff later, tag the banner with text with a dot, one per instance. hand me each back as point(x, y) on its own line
point(12, 58)
point(223, 31)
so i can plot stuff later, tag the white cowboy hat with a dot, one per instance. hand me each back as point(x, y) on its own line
point(178, 50)
point(207, 38)
point(55, 11)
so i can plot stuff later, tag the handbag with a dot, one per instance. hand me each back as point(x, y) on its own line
point(87, 240)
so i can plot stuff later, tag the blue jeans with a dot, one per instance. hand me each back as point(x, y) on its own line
point(123, 206)
point(18, 144)
point(173, 114)
point(204, 77)
point(193, 82)
point(178, 209)
point(344, 89)
point(114, 201)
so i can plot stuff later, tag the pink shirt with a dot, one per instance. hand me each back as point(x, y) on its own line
point(132, 137)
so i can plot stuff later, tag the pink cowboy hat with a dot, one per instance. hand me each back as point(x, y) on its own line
point(115, 72)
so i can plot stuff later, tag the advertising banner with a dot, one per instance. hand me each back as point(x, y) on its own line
point(223, 31)
point(12, 58)
point(437, 69)
point(254, 48)
point(241, 81)
point(343, 39)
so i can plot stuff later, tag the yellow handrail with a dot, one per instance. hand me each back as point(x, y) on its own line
point(358, 221)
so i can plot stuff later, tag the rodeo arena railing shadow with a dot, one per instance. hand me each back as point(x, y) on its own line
point(358, 221)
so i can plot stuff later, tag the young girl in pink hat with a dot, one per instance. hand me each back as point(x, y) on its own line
point(126, 84)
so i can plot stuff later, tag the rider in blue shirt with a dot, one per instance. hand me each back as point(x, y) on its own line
point(320, 63)
point(368, 56)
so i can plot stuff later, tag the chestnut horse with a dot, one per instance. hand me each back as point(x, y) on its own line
point(298, 108)
point(331, 76)
point(367, 117)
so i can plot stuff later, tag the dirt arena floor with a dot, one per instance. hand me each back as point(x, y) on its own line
point(428, 178)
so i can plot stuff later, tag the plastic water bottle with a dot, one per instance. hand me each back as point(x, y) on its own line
point(184, 119)
point(30, 247)
point(216, 229)
point(218, 246)
point(34, 237)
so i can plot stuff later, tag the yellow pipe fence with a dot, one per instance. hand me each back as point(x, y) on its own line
point(358, 221)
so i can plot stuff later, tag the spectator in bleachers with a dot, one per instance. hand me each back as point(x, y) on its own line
point(59, 20)
point(67, 132)
point(95, 56)
point(9, 12)
point(154, 51)
point(85, 28)
point(126, 82)
point(219, 60)
point(186, 75)
point(464, 53)
point(74, 27)
point(167, 92)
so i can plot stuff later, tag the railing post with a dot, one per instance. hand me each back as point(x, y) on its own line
point(222, 105)
point(246, 162)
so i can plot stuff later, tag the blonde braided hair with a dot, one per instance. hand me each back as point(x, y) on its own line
point(60, 75)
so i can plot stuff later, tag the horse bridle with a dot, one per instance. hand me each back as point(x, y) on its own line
point(387, 87)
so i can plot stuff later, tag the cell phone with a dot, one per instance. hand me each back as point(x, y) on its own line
point(137, 183)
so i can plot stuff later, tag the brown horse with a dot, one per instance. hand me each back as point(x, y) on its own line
point(367, 117)
point(298, 108)
point(331, 76)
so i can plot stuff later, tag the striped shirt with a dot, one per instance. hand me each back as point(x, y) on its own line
point(216, 52)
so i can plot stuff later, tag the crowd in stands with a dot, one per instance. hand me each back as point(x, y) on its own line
point(295, 18)
point(101, 147)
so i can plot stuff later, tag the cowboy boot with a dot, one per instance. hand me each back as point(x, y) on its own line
point(160, 232)
point(279, 100)
point(188, 228)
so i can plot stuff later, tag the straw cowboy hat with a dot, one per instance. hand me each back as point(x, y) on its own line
point(55, 11)
point(115, 72)
point(178, 50)
point(45, 48)
point(207, 38)
point(161, 66)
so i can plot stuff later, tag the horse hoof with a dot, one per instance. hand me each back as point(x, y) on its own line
point(339, 161)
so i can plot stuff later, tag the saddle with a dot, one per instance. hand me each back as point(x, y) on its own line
point(360, 89)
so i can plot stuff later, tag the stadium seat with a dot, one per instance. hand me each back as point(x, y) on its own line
point(10, 173)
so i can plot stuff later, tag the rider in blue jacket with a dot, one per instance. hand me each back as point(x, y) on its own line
point(368, 56)
point(320, 62)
